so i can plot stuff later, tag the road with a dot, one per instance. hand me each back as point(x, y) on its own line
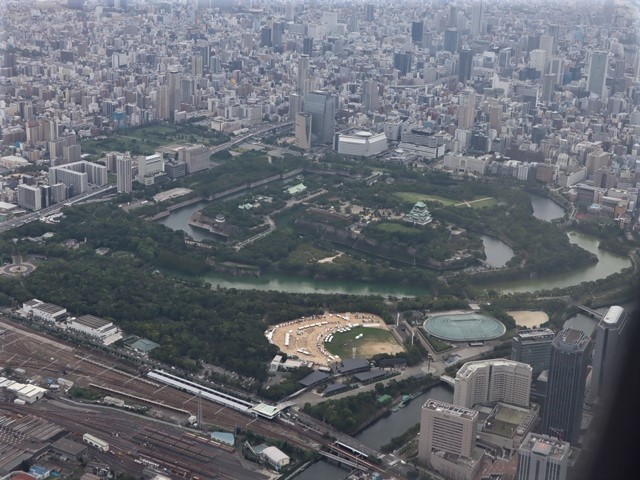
point(253, 132)
point(31, 217)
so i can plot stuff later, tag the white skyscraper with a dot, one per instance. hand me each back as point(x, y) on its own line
point(467, 109)
point(124, 176)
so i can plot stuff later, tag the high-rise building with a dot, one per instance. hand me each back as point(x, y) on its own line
point(556, 66)
point(78, 175)
point(597, 160)
point(504, 58)
point(205, 52)
point(59, 193)
point(148, 167)
point(554, 31)
point(607, 352)
point(466, 64)
point(495, 120)
point(496, 380)
point(451, 39)
point(173, 96)
point(467, 109)
point(402, 63)
point(538, 60)
point(566, 385)
point(476, 18)
point(296, 104)
point(72, 153)
point(417, 28)
point(307, 46)
point(197, 66)
point(446, 427)
point(369, 11)
point(598, 65)
point(303, 74)
point(303, 130)
point(265, 37)
point(370, 99)
point(448, 435)
point(322, 107)
point(533, 347)
point(196, 157)
point(548, 80)
point(163, 102)
point(546, 44)
point(277, 32)
point(29, 196)
point(124, 177)
point(542, 457)
point(452, 21)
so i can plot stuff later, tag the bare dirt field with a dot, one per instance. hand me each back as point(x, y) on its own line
point(529, 318)
point(305, 337)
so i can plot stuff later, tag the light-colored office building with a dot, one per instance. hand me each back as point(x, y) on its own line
point(195, 156)
point(447, 427)
point(448, 439)
point(467, 109)
point(303, 130)
point(463, 164)
point(541, 457)
point(148, 167)
point(496, 380)
point(362, 144)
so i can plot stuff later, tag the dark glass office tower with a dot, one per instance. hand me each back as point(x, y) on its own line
point(466, 64)
point(565, 392)
point(416, 31)
point(322, 107)
point(607, 352)
point(402, 62)
point(451, 39)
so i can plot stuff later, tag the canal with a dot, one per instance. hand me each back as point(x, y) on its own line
point(608, 263)
point(498, 253)
point(380, 432)
point(545, 209)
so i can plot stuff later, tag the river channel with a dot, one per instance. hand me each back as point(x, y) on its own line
point(498, 253)
point(380, 432)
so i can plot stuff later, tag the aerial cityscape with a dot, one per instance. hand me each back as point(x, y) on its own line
point(315, 239)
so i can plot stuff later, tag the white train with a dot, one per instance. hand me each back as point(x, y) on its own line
point(206, 392)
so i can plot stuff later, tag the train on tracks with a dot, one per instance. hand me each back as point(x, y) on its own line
point(205, 392)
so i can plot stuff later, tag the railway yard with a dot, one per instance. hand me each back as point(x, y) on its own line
point(136, 441)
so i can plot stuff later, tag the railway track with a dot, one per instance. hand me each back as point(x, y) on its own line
point(85, 367)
